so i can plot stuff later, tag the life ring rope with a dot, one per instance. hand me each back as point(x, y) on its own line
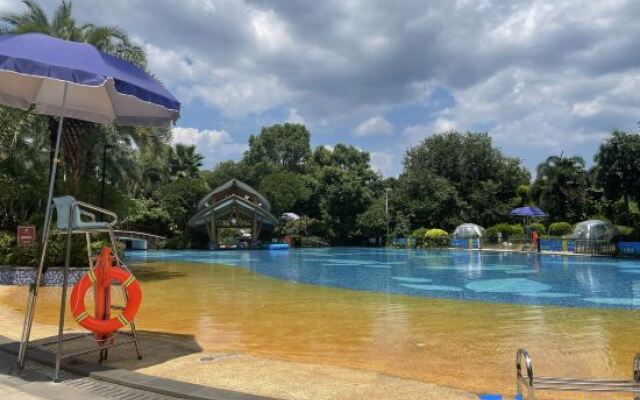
point(133, 297)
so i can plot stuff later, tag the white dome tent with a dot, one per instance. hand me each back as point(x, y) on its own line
point(594, 229)
point(468, 231)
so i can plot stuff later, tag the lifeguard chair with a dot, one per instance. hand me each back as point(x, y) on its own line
point(70, 221)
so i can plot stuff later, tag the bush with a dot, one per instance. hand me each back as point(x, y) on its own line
point(188, 239)
point(7, 243)
point(509, 232)
point(560, 229)
point(419, 235)
point(538, 227)
point(436, 238)
point(628, 234)
point(11, 254)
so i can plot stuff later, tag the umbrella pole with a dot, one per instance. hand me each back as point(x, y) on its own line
point(33, 290)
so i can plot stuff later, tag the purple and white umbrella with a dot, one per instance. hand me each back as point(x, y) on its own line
point(76, 80)
point(528, 211)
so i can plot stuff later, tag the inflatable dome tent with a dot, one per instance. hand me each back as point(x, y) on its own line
point(468, 231)
point(594, 229)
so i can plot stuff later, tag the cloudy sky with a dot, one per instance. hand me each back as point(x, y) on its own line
point(539, 76)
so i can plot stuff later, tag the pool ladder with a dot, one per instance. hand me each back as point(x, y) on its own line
point(534, 383)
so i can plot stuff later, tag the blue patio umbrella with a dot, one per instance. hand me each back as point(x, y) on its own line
point(528, 211)
point(68, 79)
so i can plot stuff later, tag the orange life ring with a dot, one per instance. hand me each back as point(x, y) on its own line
point(134, 298)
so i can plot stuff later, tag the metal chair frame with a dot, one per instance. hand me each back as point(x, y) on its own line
point(533, 383)
point(103, 345)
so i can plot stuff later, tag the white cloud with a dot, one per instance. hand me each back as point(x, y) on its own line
point(538, 73)
point(295, 118)
point(236, 93)
point(382, 162)
point(374, 126)
point(214, 145)
point(523, 109)
point(416, 133)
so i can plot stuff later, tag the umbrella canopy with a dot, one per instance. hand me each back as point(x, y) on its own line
point(36, 68)
point(528, 212)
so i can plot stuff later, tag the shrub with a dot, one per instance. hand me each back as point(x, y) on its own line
point(538, 227)
point(191, 239)
point(628, 234)
point(560, 229)
point(508, 231)
point(436, 238)
point(11, 254)
point(7, 242)
point(419, 235)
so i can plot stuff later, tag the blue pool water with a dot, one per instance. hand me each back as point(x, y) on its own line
point(518, 278)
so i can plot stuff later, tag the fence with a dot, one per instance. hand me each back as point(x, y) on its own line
point(578, 246)
point(589, 246)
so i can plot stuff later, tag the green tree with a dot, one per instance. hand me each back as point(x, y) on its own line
point(453, 177)
point(286, 191)
point(524, 195)
point(560, 188)
point(63, 25)
point(346, 188)
point(148, 216)
point(180, 199)
point(426, 199)
point(224, 172)
point(278, 148)
point(373, 221)
point(184, 161)
point(618, 168)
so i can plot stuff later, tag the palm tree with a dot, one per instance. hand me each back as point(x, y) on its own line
point(560, 187)
point(63, 25)
point(184, 162)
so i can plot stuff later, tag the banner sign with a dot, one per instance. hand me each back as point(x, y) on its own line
point(26, 235)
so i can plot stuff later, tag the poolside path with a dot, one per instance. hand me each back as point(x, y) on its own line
point(35, 383)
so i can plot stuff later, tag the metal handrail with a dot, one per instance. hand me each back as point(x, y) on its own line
point(572, 384)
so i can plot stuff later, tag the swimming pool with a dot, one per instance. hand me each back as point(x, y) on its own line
point(515, 278)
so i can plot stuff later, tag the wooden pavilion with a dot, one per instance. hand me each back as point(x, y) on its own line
point(234, 205)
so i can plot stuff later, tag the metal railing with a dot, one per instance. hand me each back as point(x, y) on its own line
point(592, 246)
point(533, 383)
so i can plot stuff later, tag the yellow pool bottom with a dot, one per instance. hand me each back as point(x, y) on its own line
point(230, 327)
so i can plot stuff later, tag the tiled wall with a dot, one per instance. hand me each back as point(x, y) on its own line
point(557, 245)
point(465, 243)
point(629, 248)
point(27, 276)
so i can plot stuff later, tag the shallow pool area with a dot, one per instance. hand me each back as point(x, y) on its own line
point(501, 277)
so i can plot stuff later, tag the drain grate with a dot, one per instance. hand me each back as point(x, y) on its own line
point(216, 357)
point(38, 372)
